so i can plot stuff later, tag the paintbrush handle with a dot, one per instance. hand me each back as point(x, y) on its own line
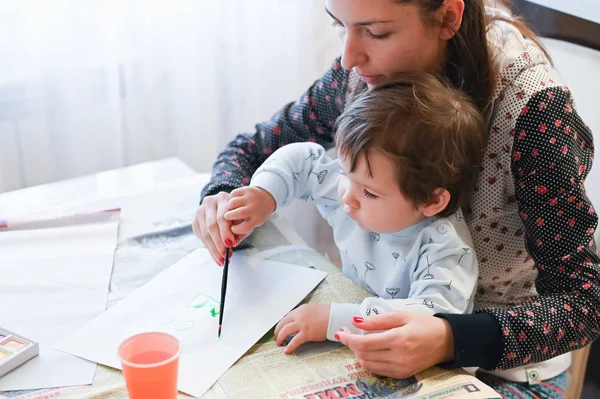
point(224, 287)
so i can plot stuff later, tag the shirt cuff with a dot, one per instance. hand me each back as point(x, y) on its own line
point(478, 340)
point(341, 315)
point(273, 184)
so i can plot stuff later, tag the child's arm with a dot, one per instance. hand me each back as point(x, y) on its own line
point(443, 281)
point(299, 171)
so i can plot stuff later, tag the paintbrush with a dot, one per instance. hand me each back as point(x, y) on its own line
point(223, 290)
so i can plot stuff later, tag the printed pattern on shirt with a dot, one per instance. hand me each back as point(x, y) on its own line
point(532, 223)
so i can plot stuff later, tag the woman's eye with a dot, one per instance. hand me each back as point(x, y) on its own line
point(379, 36)
point(340, 29)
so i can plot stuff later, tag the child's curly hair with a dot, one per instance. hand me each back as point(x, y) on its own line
point(434, 135)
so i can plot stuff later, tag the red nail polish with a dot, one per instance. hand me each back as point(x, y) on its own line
point(228, 243)
point(222, 262)
point(336, 336)
point(358, 319)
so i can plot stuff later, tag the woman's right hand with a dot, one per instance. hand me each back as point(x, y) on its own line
point(211, 227)
point(402, 344)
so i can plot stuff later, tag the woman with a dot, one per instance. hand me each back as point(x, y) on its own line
point(531, 221)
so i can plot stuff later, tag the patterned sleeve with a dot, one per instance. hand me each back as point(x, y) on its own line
point(552, 155)
point(311, 118)
point(299, 171)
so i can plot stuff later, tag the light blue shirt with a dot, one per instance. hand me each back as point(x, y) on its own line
point(428, 268)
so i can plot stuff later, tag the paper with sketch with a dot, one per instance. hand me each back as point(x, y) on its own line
point(54, 281)
point(184, 301)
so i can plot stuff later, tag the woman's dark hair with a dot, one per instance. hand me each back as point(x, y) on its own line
point(470, 65)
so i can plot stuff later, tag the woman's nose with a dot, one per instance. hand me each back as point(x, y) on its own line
point(352, 55)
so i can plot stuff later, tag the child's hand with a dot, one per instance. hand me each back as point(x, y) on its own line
point(309, 322)
point(249, 207)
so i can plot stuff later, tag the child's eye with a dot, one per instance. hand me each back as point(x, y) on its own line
point(369, 194)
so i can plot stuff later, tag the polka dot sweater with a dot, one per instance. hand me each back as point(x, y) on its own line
point(530, 218)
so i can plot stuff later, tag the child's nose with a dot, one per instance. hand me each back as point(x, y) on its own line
point(350, 199)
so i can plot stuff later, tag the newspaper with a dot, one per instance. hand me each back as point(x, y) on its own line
point(330, 370)
point(316, 370)
point(265, 373)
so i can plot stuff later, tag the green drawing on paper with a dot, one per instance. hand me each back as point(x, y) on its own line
point(202, 301)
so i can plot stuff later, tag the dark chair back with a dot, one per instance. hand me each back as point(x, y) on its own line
point(548, 22)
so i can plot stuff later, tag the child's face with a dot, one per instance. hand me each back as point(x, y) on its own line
point(375, 202)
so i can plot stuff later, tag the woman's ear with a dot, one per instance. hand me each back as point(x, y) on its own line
point(451, 16)
point(437, 202)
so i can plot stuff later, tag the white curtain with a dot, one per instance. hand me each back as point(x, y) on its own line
point(90, 85)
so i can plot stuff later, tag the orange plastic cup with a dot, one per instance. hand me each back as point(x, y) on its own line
point(150, 363)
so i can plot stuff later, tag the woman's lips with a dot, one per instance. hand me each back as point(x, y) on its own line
point(370, 79)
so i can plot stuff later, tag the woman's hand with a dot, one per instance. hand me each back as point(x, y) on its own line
point(210, 226)
point(410, 343)
point(309, 322)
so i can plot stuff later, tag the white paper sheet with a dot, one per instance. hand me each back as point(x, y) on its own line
point(259, 293)
point(52, 282)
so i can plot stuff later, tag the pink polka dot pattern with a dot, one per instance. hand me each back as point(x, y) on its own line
point(531, 221)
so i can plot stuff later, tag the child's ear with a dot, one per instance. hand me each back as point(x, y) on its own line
point(437, 202)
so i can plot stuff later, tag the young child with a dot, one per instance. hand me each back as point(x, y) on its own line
point(409, 153)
